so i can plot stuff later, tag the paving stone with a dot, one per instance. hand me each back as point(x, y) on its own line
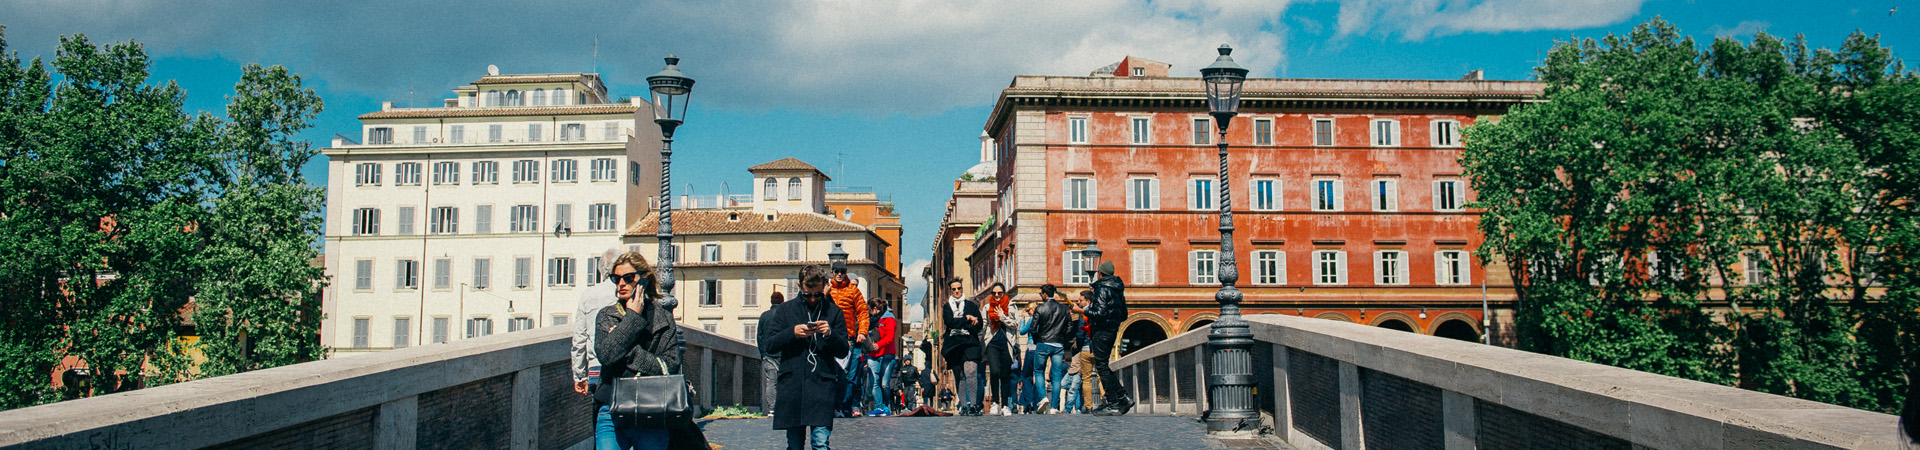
point(1133, 431)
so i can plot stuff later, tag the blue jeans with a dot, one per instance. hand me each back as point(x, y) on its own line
point(850, 388)
point(606, 436)
point(1072, 386)
point(879, 372)
point(1049, 381)
point(797, 438)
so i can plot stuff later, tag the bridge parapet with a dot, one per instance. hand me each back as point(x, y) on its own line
point(508, 391)
point(1334, 385)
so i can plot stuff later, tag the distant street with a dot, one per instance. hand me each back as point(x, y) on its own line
point(1052, 432)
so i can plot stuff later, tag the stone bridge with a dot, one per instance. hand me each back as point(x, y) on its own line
point(1323, 385)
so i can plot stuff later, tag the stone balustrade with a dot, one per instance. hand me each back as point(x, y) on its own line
point(1336, 385)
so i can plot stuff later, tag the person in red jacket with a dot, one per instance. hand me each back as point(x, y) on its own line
point(881, 357)
point(846, 295)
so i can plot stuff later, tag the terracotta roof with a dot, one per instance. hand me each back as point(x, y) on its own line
point(501, 111)
point(715, 221)
point(533, 78)
point(789, 164)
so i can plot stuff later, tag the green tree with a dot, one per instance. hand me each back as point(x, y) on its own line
point(1710, 214)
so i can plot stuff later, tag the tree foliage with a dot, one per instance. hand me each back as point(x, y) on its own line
point(118, 210)
point(1738, 214)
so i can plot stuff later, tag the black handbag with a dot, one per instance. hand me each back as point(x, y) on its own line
point(651, 402)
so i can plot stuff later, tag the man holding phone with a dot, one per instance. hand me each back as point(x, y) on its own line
point(806, 333)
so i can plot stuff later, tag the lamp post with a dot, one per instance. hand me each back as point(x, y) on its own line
point(837, 258)
point(1090, 260)
point(671, 92)
point(1230, 376)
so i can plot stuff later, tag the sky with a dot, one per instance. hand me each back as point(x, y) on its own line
point(890, 95)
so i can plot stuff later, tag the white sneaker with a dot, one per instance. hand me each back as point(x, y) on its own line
point(1042, 407)
point(1006, 412)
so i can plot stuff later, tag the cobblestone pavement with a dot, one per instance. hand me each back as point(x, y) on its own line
point(1132, 432)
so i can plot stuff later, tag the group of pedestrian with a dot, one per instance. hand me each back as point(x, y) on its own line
point(1042, 357)
point(837, 357)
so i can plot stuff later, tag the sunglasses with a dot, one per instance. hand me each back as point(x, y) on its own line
point(631, 278)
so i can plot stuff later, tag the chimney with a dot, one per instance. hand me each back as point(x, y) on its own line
point(386, 106)
point(1475, 75)
point(986, 147)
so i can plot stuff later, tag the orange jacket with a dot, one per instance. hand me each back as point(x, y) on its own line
point(847, 297)
point(996, 304)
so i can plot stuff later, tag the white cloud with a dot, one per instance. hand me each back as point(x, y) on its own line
point(1745, 28)
point(909, 56)
point(1415, 20)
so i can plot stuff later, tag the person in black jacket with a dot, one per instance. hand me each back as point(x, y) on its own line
point(1053, 331)
point(807, 333)
point(961, 346)
point(634, 337)
point(1104, 314)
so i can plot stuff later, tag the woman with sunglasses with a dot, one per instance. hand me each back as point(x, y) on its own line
point(635, 336)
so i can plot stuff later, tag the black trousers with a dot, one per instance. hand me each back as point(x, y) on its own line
point(1103, 339)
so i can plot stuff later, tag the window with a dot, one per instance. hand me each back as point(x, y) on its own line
point(710, 253)
point(479, 326)
point(443, 220)
point(1263, 131)
point(1386, 194)
point(559, 97)
point(445, 172)
point(440, 326)
point(493, 98)
point(600, 217)
point(1200, 194)
point(1142, 130)
point(751, 294)
point(1386, 133)
point(1390, 267)
point(366, 222)
point(573, 132)
point(366, 174)
point(1326, 195)
point(405, 227)
point(1323, 132)
point(523, 219)
point(710, 292)
point(483, 219)
point(406, 274)
point(402, 332)
point(1202, 131)
point(1143, 193)
point(563, 217)
point(793, 286)
point(1450, 267)
point(486, 172)
point(793, 189)
point(770, 189)
point(522, 272)
point(360, 331)
point(1079, 193)
point(612, 131)
point(1077, 130)
point(493, 133)
point(380, 136)
point(519, 324)
point(457, 134)
point(513, 99)
point(1446, 133)
point(1203, 266)
point(793, 251)
point(633, 173)
point(605, 169)
point(593, 271)
point(1139, 71)
point(751, 332)
point(559, 319)
point(363, 275)
point(753, 252)
point(709, 326)
point(539, 97)
point(1073, 265)
point(1329, 267)
point(419, 134)
point(1448, 195)
point(406, 174)
point(1757, 267)
point(526, 171)
point(1266, 195)
point(1144, 265)
point(1269, 267)
point(565, 171)
point(482, 272)
point(442, 273)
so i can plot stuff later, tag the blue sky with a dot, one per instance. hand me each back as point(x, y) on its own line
point(893, 92)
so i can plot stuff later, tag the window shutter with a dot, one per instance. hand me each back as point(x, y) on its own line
point(1379, 267)
point(1193, 267)
point(1130, 197)
point(1340, 268)
point(1066, 193)
point(357, 222)
point(1093, 194)
point(1280, 266)
point(1339, 196)
point(400, 274)
point(1066, 267)
point(1436, 196)
point(1393, 195)
point(1439, 267)
point(703, 293)
point(1153, 186)
point(1466, 273)
point(1460, 194)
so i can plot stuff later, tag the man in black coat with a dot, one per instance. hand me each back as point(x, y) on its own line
point(806, 333)
point(1104, 314)
point(961, 346)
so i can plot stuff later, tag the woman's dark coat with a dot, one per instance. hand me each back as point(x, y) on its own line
point(640, 343)
point(962, 341)
point(806, 390)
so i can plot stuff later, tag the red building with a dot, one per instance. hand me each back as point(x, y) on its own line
point(1347, 196)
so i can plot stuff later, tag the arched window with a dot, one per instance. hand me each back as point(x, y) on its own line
point(493, 98)
point(513, 98)
point(539, 97)
point(559, 97)
point(770, 190)
point(793, 188)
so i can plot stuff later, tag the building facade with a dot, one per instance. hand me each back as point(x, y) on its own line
point(1347, 195)
point(483, 215)
point(732, 257)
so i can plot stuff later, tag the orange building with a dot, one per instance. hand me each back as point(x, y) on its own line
point(1347, 196)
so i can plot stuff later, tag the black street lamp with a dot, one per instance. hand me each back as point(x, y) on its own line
point(1230, 376)
point(837, 258)
point(1090, 261)
point(671, 92)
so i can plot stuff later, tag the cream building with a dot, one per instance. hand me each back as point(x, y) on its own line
point(484, 215)
point(734, 255)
